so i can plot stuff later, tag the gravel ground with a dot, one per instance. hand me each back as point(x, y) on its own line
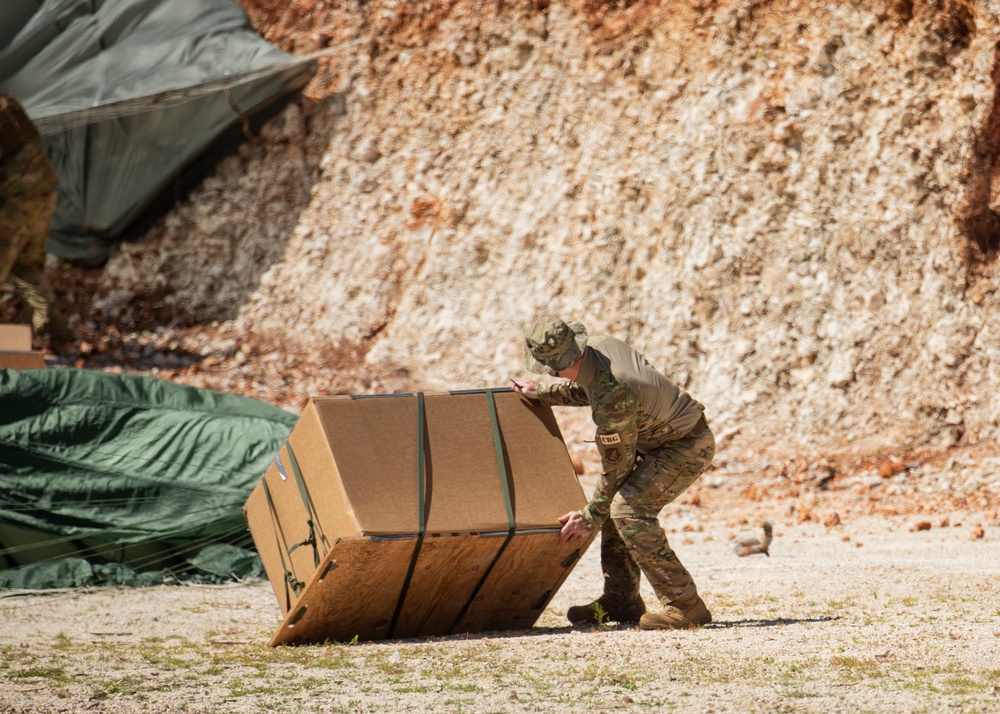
point(870, 614)
point(881, 594)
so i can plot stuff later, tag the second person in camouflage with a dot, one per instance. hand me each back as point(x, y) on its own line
point(28, 184)
point(654, 442)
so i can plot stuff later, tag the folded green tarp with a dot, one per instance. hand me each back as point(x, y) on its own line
point(124, 478)
point(128, 93)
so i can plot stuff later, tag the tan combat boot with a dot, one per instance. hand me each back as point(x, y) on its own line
point(605, 609)
point(687, 612)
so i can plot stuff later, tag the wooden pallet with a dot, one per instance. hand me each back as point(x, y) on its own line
point(361, 590)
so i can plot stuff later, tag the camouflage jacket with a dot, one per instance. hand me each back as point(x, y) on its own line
point(25, 169)
point(636, 410)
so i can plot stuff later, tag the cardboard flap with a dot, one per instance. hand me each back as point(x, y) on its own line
point(312, 451)
point(15, 338)
point(360, 457)
point(374, 447)
point(544, 485)
point(464, 487)
point(373, 442)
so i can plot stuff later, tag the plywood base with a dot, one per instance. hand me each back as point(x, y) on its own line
point(374, 588)
point(522, 583)
point(22, 360)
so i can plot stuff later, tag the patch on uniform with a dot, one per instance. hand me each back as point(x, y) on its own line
point(608, 439)
point(612, 455)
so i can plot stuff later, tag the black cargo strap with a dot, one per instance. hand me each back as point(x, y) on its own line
point(311, 540)
point(311, 521)
point(501, 461)
point(290, 579)
point(421, 516)
point(505, 486)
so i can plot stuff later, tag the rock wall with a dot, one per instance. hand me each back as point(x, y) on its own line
point(787, 206)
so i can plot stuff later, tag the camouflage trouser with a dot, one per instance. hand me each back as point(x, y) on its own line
point(24, 226)
point(633, 540)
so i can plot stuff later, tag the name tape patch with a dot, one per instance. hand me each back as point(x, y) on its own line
point(608, 439)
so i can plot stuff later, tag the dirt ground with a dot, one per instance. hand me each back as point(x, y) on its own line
point(881, 594)
point(896, 613)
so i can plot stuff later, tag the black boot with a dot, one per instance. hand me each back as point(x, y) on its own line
point(605, 609)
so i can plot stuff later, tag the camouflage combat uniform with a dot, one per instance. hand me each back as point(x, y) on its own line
point(27, 201)
point(654, 443)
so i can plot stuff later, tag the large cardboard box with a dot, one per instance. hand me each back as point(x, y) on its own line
point(15, 348)
point(413, 515)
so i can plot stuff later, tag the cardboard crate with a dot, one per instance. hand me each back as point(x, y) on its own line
point(15, 348)
point(413, 515)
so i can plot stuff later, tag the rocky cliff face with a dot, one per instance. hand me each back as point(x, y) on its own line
point(790, 207)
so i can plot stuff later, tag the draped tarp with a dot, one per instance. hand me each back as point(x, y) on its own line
point(127, 93)
point(125, 478)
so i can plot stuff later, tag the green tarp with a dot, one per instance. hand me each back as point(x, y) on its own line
point(127, 93)
point(110, 478)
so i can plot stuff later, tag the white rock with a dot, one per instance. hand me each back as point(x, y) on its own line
point(841, 372)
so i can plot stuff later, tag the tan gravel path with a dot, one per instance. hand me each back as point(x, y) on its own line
point(865, 616)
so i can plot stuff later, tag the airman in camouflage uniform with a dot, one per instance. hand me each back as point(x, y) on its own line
point(27, 201)
point(654, 442)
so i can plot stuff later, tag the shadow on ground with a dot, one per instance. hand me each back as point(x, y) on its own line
point(725, 624)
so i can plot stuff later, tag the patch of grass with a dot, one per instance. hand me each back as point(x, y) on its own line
point(237, 688)
point(726, 603)
point(164, 660)
point(844, 604)
point(951, 680)
point(338, 658)
point(854, 669)
point(796, 694)
point(459, 705)
point(257, 687)
point(55, 675)
point(626, 682)
point(963, 684)
point(126, 685)
point(601, 614)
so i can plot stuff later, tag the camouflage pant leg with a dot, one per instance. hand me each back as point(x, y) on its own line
point(621, 572)
point(659, 479)
point(14, 233)
point(24, 227)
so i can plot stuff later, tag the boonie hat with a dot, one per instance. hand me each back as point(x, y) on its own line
point(552, 345)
